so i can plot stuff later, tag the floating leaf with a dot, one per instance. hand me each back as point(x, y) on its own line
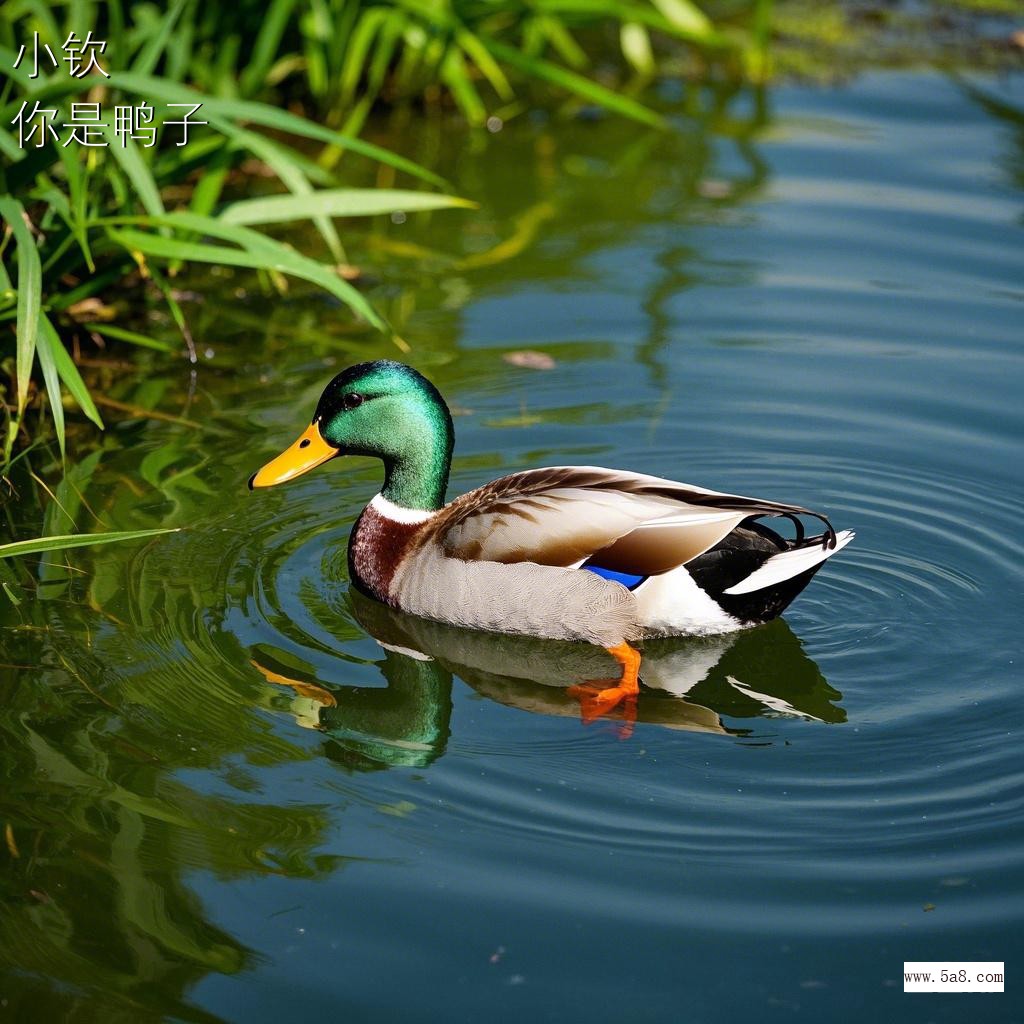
point(530, 359)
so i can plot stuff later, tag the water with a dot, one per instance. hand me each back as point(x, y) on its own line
point(814, 297)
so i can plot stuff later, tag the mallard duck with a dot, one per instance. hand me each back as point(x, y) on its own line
point(580, 553)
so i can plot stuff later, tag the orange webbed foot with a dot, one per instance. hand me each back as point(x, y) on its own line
point(597, 701)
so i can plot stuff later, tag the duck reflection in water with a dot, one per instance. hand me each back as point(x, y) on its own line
point(688, 684)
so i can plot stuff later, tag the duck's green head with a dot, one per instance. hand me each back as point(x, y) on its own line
point(386, 410)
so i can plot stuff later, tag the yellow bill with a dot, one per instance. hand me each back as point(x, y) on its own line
point(308, 452)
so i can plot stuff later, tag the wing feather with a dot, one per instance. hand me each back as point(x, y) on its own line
point(564, 515)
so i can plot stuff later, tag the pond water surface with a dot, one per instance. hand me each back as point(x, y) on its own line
point(225, 800)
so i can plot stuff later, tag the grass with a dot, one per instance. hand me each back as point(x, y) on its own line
point(74, 540)
point(78, 221)
point(289, 84)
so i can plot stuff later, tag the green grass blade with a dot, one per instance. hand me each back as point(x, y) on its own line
point(137, 170)
point(257, 144)
point(151, 53)
point(266, 116)
point(267, 46)
point(582, 87)
point(561, 40)
point(9, 146)
point(354, 64)
point(697, 30)
point(685, 15)
point(132, 337)
point(207, 192)
point(76, 540)
point(337, 202)
point(177, 313)
point(636, 47)
point(266, 255)
point(77, 201)
point(46, 340)
point(456, 77)
point(73, 380)
point(293, 178)
point(30, 285)
point(475, 50)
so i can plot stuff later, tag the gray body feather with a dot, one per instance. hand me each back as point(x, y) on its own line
point(535, 600)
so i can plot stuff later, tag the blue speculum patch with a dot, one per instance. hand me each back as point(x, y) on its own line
point(628, 580)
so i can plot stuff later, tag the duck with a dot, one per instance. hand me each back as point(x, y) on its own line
point(583, 554)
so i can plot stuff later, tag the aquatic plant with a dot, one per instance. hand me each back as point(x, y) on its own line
point(151, 106)
point(78, 219)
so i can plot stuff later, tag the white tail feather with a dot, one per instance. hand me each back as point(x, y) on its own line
point(789, 564)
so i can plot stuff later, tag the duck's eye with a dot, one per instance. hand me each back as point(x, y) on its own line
point(350, 401)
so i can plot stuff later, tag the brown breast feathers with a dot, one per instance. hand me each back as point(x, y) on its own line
point(377, 546)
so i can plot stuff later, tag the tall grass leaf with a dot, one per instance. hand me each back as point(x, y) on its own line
point(437, 14)
point(22, 75)
point(9, 146)
point(292, 177)
point(314, 58)
point(389, 37)
point(685, 15)
point(59, 251)
point(562, 41)
point(272, 256)
point(82, 14)
point(46, 340)
point(582, 87)
point(455, 76)
point(693, 30)
point(56, 203)
point(354, 64)
point(177, 313)
point(77, 180)
point(267, 46)
point(115, 34)
point(268, 117)
point(30, 285)
point(44, 17)
point(481, 57)
point(759, 60)
point(73, 382)
point(206, 194)
point(76, 540)
point(636, 47)
point(408, 69)
point(338, 202)
point(149, 56)
point(47, 95)
point(132, 337)
point(127, 154)
point(258, 144)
